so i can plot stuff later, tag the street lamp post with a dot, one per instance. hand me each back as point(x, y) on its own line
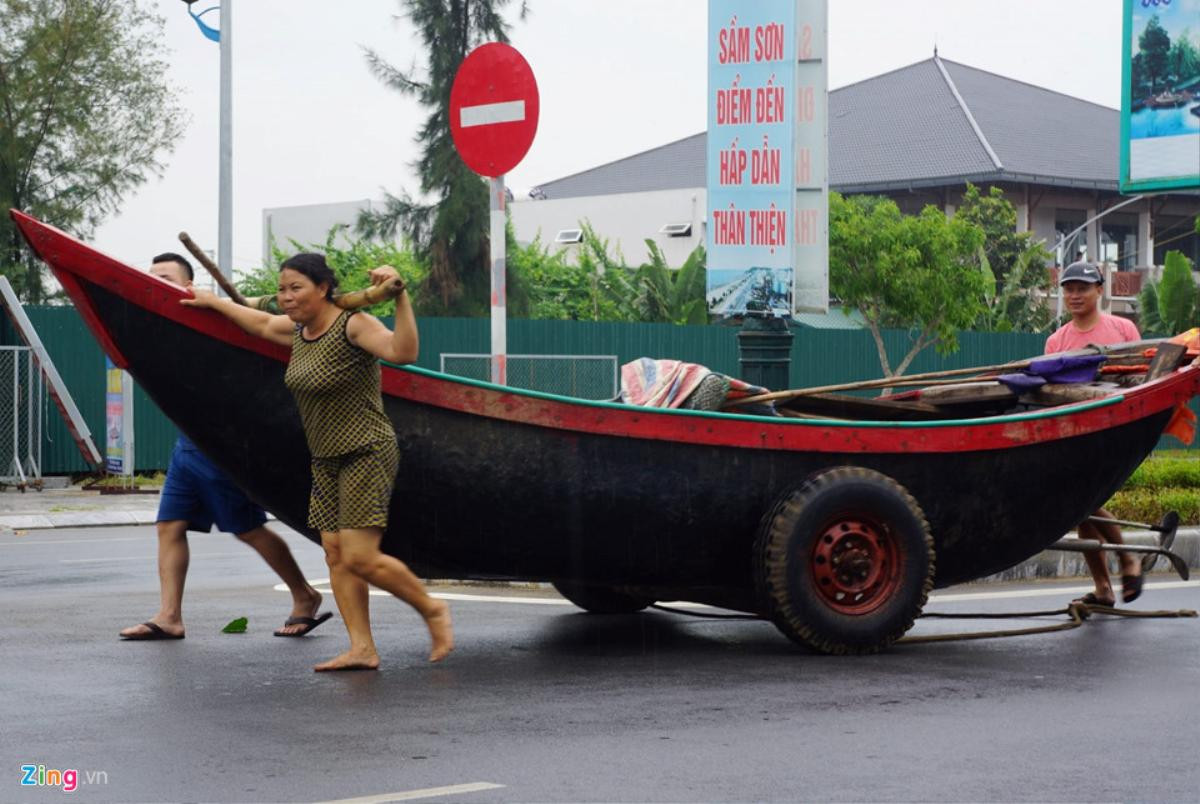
point(224, 37)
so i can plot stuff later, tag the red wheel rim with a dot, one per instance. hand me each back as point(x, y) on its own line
point(855, 565)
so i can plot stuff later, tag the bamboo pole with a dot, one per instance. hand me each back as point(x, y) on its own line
point(351, 300)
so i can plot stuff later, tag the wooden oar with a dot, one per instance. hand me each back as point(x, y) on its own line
point(916, 379)
point(887, 382)
point(212, 268)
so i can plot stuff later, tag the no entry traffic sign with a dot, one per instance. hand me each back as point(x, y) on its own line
point(493, 109)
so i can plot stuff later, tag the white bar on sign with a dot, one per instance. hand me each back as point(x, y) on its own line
point(488, 113)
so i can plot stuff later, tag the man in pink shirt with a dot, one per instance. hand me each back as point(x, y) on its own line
point(1082, 286)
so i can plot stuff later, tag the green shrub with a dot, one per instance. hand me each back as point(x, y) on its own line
point(1169, 480)
point(1149, 505)
point(1166, 472)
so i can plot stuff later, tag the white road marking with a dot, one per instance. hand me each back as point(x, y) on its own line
point(142, 558)
point(75, 541)
point(488, 113)
point(322, 585)
point(413, 795)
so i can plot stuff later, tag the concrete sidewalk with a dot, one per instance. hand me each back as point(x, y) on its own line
point(61, 506)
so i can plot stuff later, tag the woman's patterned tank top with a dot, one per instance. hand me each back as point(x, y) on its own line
point(336, 386)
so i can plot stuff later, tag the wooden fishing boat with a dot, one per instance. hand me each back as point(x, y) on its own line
point(835, 529)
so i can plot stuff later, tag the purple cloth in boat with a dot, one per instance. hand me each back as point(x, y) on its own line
point(1067, 368)
point(1058, 369)
point(1020, 383)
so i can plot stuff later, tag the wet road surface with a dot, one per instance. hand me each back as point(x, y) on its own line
point(543, 703)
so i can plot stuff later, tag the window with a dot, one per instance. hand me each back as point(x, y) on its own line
point(1065, 222)
point(1119, 240)
point(676, 229)
point(1175, 233)
point(569, 236)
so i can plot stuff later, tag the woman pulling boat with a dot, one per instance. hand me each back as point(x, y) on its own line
point(334, 376)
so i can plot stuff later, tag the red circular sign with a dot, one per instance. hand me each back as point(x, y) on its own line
point(493, 109)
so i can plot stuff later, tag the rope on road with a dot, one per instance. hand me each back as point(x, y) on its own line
point(1076, 611)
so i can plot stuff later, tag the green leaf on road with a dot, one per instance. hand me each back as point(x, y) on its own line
point(237, 626)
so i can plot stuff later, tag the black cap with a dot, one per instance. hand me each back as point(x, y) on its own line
point(1081, 272)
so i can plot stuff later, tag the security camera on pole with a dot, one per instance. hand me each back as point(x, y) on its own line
point(493, 119)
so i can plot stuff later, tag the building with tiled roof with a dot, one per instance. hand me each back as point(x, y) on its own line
point(917, 134)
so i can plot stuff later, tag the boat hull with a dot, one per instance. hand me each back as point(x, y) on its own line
point(501, 484)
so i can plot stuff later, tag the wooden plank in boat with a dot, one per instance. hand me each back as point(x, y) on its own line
point(1053, 394)
point(967, 393)
point(1166, 359)
point(839, 406)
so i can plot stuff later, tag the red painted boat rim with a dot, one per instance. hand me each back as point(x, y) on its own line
point(1033, 415)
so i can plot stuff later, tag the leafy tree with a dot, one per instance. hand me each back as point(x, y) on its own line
point(350, 263)
point(599, 286)
point(596, 287)
point(919, 273)
point(672, 296)
point(1154, 45)
point(1012, 263)
point(85, 116)
point(1171, 305)
point(449, 235)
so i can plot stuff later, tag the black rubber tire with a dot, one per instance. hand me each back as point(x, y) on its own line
point(601, 599)
point(786, 553)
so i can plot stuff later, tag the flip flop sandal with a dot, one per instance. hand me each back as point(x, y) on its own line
point(1131, 587)
point(154, 634)
point(309, 624)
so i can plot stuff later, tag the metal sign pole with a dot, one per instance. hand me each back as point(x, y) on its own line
point(497, 221)
point(225, 182)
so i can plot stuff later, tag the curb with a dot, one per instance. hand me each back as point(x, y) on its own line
point(83, 519)
point(1062, 564)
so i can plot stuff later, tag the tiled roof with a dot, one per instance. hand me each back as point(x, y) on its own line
point(930, 123)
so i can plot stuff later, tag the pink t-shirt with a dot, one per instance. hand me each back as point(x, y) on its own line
point(1109, 330)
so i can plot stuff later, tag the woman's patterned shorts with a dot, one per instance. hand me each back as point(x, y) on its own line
point(353, 490)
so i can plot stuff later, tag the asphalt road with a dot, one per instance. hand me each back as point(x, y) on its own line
point(542, 703)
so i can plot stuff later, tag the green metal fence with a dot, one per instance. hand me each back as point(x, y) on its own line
point(819, 357)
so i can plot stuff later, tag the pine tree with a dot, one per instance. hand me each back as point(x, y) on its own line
point(449, 235)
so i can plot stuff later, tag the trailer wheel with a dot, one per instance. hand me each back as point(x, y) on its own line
point(601, 599)
point(845, 562)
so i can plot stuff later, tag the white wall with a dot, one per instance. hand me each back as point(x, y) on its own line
point(625, 220)
point(307, 224)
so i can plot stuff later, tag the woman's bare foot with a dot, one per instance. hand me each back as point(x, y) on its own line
point(350, 660)
point(441, 630)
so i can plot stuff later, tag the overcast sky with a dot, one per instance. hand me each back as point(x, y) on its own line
point(312, 125)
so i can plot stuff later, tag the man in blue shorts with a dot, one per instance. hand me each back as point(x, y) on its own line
point(195, 496)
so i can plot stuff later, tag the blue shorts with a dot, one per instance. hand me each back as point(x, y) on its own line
point(202, 494)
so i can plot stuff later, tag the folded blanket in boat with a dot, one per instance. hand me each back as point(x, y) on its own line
point(659, 383)
point(1058, 369)
point(689, 386)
